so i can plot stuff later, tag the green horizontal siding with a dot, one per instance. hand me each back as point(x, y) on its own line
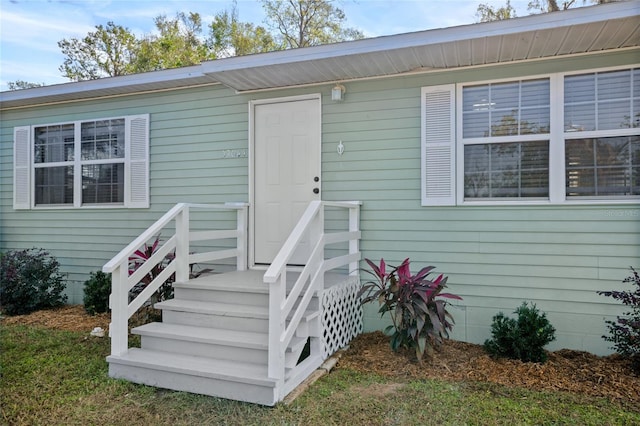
point(557, 256)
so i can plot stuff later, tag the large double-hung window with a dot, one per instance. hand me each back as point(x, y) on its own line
point(601, 132)
point(505, 129)
point(96, 163)
point(555, 139)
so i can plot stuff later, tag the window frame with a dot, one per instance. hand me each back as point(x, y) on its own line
point(135, 160)
point(557, 138)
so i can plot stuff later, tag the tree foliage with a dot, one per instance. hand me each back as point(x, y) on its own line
point(485, 12)
point(108, 51)
point(21, 84)
point(113, 50)
point(303, 23)
point(228, 36)
point(178, 43)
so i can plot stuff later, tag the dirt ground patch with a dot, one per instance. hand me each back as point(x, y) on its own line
point(578, 372)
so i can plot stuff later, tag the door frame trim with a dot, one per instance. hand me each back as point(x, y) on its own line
point(252, 104)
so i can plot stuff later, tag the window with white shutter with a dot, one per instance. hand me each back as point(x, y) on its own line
point(93, 163)
point(558, 138)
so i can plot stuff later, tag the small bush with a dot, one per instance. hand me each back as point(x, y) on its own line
point(523, 338)
point(625, 331)
point(30, 280)
point(415, 304)
point(96, 293)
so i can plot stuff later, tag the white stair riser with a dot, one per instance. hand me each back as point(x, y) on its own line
point(221, 296)
point(208, 350)
point(259, 325)
point(195, 384)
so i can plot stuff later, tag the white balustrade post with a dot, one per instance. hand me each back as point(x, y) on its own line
point(241, 262)
point(182, 245)
point(354, 244)
point(318, 234)
point(277, 294)
point(119, 303)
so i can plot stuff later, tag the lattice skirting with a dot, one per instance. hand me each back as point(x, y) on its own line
point(341, 315)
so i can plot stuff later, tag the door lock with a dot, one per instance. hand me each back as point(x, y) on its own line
point(316, 179)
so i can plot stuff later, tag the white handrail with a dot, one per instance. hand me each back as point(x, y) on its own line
point(122, 281)
point(287, 309)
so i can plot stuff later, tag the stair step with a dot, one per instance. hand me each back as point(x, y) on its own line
point(214, 308)
point(212, 336)
point(245, 346)
point(229, 379)
point(216, 343)
point(224, 288)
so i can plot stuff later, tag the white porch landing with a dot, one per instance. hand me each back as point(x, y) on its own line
point(213, 340)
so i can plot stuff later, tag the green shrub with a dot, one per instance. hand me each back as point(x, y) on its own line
point(625, 331)
point(30, 280)
point(96, 293)
point(523, 338)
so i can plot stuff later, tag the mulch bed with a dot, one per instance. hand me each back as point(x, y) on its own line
point(70, 317)
point(578, 372)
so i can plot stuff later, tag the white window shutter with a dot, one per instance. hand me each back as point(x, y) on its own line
point(438, 145)
point(137, 176)
point(22, 168)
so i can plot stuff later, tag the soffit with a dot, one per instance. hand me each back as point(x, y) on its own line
point(578, 31)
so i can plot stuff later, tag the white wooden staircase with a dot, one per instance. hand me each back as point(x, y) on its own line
point(246, 335)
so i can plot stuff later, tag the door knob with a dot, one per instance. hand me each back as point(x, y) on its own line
point(316, 190)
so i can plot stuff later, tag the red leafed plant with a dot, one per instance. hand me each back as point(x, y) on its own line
point(138, 258)
point(415, 304)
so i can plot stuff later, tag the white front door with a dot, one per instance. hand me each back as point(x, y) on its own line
point(286, 172)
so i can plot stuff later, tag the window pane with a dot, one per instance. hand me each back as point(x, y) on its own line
point(53, 144)
point(476, 98)
point(535, 93)
point(635, 123)
point(54, 185)
point(579, 118)
point(103, 183)
point(603, 166)
point(614, 85)
point(102, 139)
point(534, 121)
point(504, 123)
point(475, 124)
point(505, 96)
point(476, 171)
point(599, 101)
point(507, 170)
point(613, 115)
point(506, 109)
point(580, 89)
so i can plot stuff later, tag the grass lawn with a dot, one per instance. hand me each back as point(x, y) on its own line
point(60, 378)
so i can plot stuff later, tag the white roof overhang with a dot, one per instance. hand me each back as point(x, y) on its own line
point(106, 87)
point(575, 31)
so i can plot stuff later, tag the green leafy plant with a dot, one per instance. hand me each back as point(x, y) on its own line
point(523, 338)
point(96, 293)
point(30, 280)
point(624, 332)
point(414, 302)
